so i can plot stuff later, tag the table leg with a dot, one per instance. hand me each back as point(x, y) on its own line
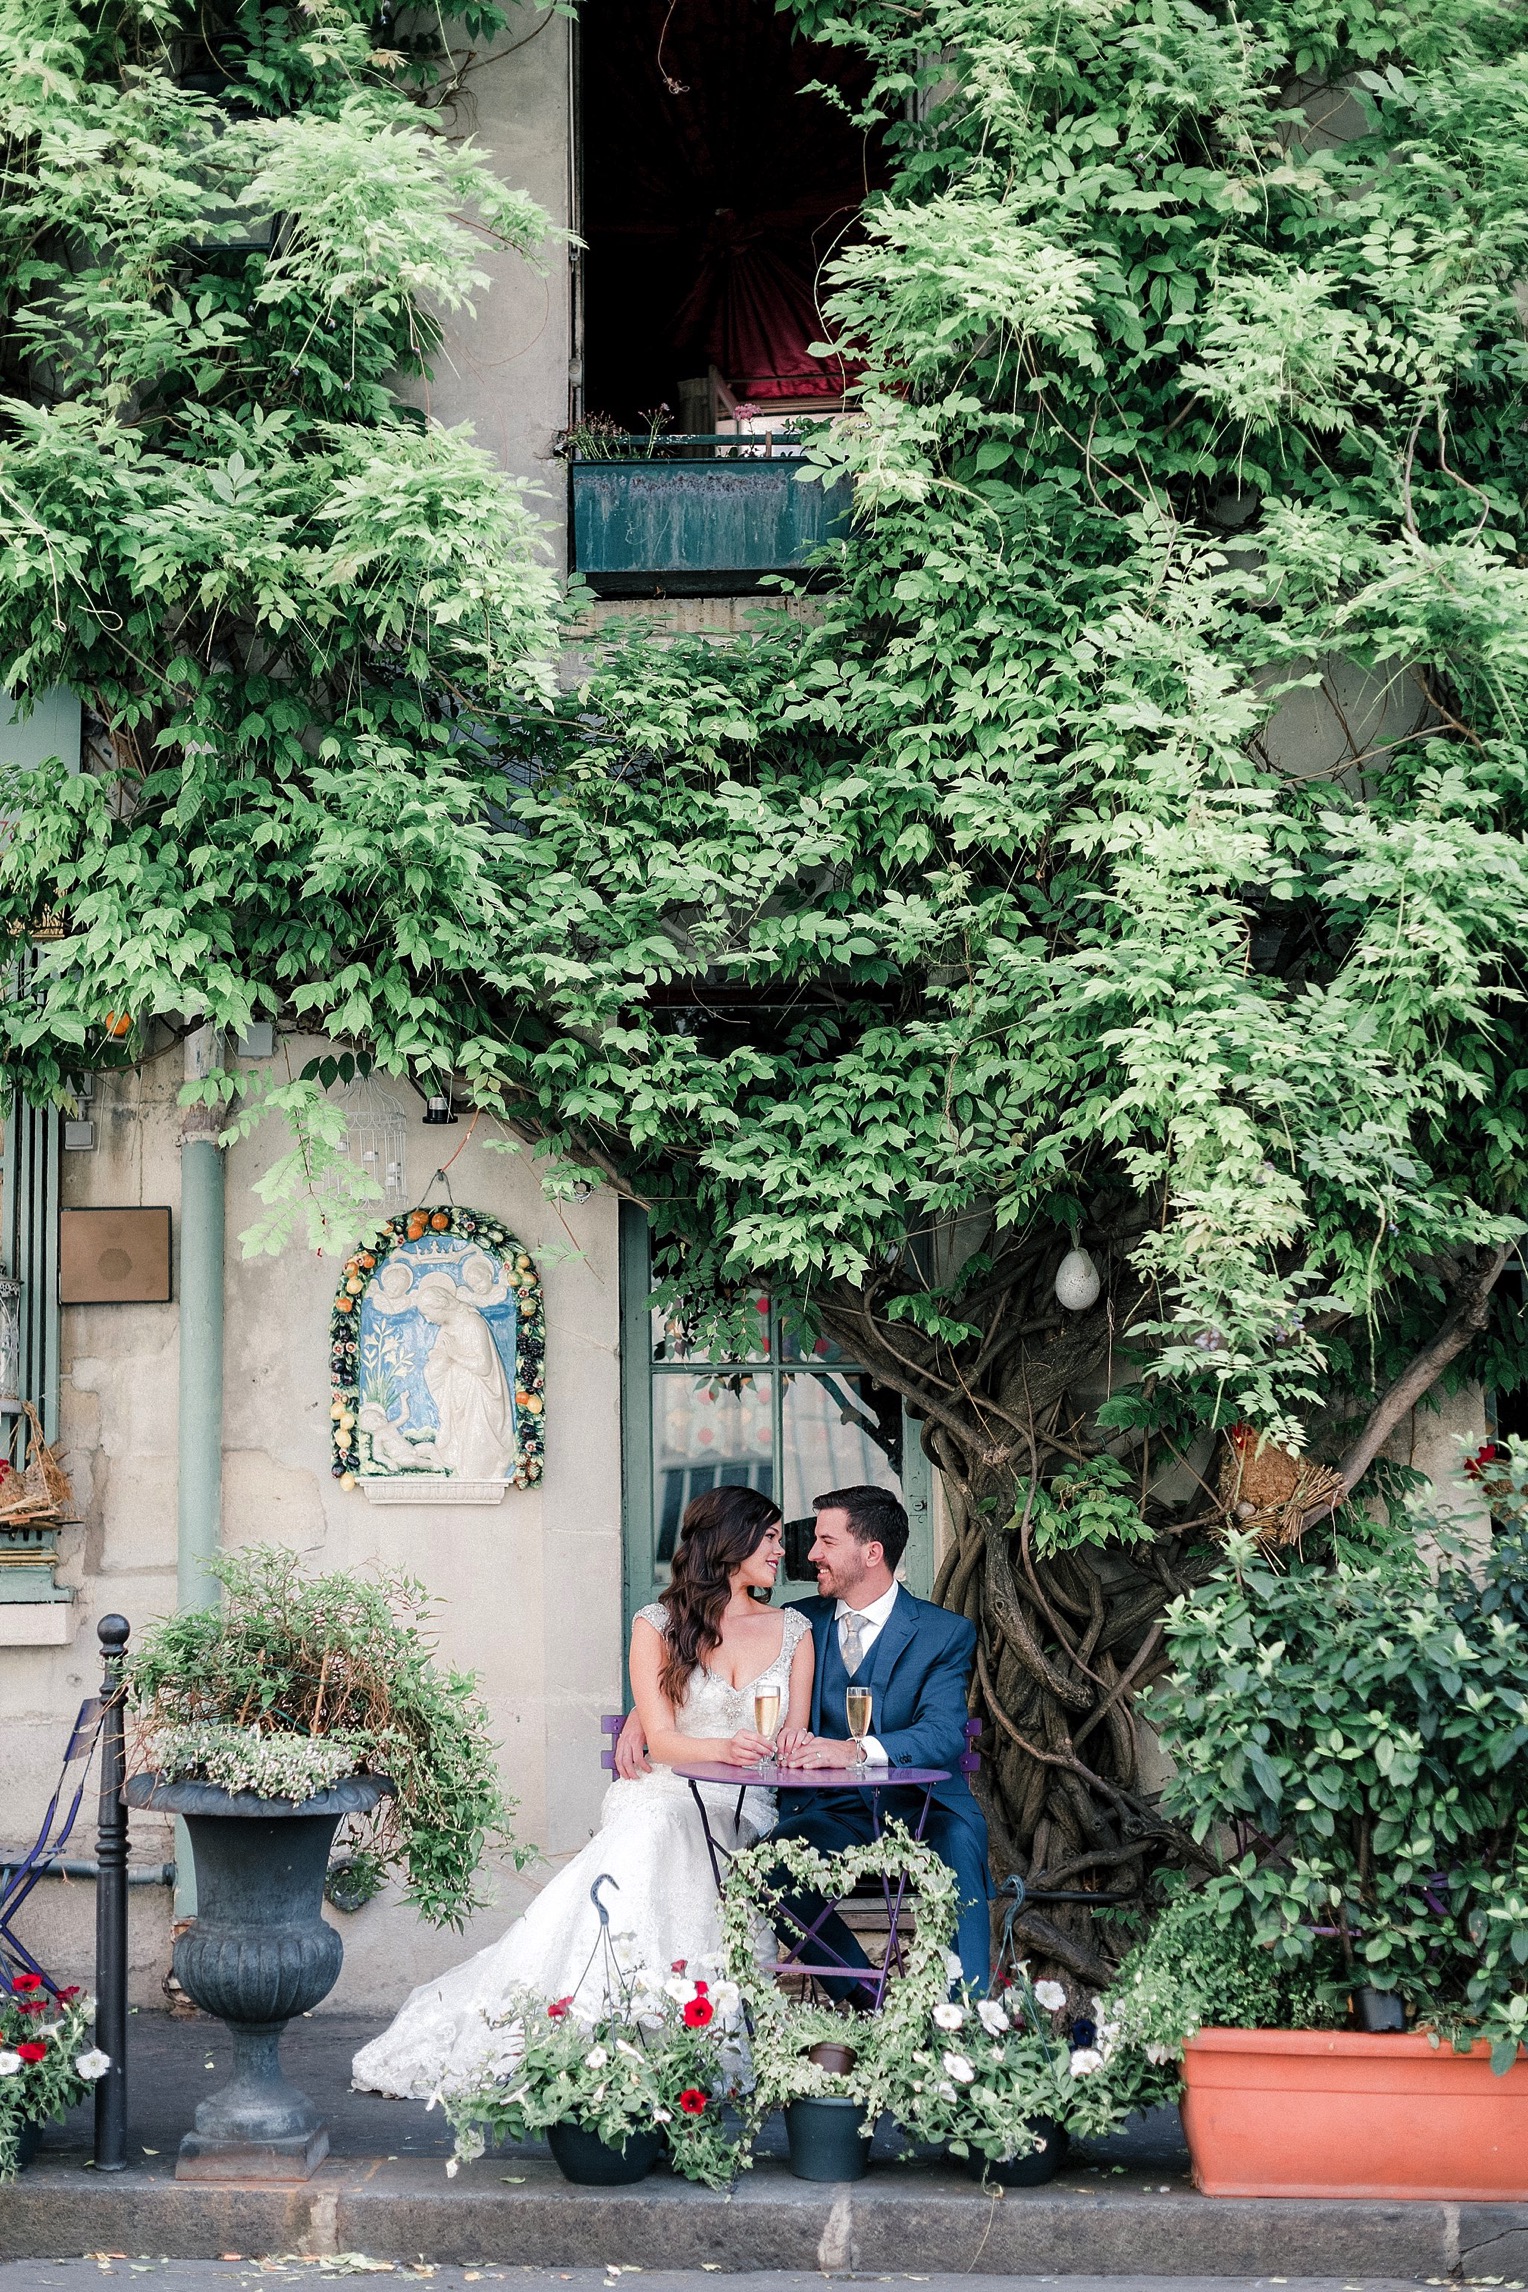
point(712, 1849)
point(894, 1906)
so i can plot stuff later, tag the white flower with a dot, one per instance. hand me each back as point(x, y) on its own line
point(1051, 1995)
point(726, 1997)
point(9, 2063)
point(663, 2116)
point(957, 2066)
point(93, 2064)
point(452, 2168)
point(1085, 2060)
point(1158, 2054)
point(950, 2016)
point(954, 1970)
point(596, 2058)
point(947, 2092)
point(992, 2017)
point(680, 1992)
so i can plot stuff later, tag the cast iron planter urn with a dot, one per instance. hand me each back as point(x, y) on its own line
point(257, 1952)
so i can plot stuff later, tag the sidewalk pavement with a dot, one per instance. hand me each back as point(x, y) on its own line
point(1121, 2210)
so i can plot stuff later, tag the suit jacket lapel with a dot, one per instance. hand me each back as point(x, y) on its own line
point(892, 1637)
point(822, 1624)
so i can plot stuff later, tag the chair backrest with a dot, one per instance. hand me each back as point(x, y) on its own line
point(610, 1726)
point(18, 1879)
point(970, 1757)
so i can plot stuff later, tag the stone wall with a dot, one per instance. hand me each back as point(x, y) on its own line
point(529, 1589)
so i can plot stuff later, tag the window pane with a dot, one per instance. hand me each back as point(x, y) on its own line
point(708, 1432)
point(839, 1432)
point(669, 1338)
point(795, 1345)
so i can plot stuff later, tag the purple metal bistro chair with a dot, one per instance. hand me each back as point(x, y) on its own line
point(18, 1879)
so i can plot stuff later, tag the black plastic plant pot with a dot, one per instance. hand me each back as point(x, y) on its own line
point(583, 2157)
point(825, 2139)
point(1024, 2172)
point(28, 2142)
point(1380, 2012)
point(257, 1952)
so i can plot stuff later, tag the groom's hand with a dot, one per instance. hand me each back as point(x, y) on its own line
point(812, 1751)
point(631, 1758)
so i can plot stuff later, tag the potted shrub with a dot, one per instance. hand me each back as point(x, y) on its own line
point(47, 2063)
point(996, 2080)
point(612, 2087)
point(1348, 1744)
point(301, 1702)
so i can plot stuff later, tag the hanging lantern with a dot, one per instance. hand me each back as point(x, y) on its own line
point(1077, 1281)
point(376, 1130)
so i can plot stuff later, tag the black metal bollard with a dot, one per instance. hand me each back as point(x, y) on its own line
point(111, 1909)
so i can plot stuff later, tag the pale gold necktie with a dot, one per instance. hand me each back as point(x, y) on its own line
point(853, 1627)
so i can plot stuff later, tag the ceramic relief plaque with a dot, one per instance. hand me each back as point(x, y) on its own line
point(437, 1344)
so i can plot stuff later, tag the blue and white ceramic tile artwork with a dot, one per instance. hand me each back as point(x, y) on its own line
point(437, 1362)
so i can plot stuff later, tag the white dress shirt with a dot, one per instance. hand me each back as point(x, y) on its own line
point(872, 1621)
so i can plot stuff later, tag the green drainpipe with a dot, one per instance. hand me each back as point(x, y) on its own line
point(200, 1475)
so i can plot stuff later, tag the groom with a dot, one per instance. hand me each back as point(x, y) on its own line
point(916, 1660)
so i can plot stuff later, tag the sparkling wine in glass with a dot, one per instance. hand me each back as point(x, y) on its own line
point(766, 1714)
point(857, 1702)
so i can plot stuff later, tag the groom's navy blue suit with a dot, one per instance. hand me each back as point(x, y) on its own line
point(917, 1669)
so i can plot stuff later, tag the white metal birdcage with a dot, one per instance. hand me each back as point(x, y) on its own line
point(376, 1135)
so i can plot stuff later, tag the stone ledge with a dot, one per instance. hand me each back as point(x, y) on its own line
point(899, 2219)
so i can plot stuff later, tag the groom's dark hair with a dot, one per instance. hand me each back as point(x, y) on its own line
point(875, 1517)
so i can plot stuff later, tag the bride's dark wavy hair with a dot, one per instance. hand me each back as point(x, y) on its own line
point(716, 1535)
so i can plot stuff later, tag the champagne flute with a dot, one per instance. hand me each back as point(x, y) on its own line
point(857, 1705)
point(766, 1715)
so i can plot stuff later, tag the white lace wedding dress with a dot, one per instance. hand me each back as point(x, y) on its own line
point(651, 1844)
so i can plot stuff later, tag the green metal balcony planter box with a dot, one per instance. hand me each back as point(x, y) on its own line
point(693, 520)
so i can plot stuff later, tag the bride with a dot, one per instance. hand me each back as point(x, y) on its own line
point(698, 1655)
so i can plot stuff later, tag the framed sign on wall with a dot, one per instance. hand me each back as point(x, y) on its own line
point(114, 1257)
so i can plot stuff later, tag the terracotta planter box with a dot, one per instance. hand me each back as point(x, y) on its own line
point(1338, 2113)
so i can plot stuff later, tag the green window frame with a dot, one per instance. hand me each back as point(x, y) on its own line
point(771, 1377)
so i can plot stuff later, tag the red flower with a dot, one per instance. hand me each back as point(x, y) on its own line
point(31, 2005)
point(679, 1965)
point(692, 2101)
point(66, 1997)
point(24, 1982)
point(34, 2050)
point(559, 2007)
point(698, 2012)
point(702, 1989)
point(1486, 1454)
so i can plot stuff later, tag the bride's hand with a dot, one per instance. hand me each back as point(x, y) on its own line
point(790, 1740)
point(747, 1749)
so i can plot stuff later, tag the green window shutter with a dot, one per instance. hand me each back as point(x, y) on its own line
point(32, 1146)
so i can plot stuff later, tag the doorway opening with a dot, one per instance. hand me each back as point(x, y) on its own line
point(714, 188)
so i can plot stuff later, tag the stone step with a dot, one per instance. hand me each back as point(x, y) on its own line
point(901, 2218)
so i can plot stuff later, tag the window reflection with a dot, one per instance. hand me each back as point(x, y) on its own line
point(837, 1432)
point(708, 1432)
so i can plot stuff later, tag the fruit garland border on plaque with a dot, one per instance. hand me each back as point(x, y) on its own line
point(466, 1403)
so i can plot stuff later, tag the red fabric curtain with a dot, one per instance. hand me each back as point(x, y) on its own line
point(716, 185)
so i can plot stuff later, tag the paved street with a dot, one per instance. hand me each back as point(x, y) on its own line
point(238, 2275)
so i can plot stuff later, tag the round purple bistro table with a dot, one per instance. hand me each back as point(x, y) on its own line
point(804, 1781)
